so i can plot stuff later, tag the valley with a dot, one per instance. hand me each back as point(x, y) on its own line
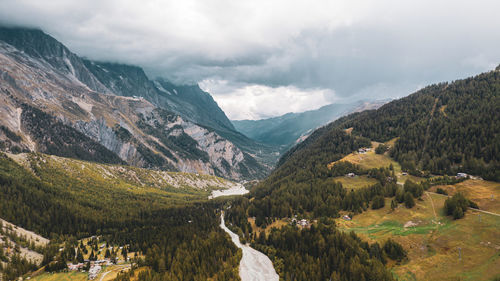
point(107, 173)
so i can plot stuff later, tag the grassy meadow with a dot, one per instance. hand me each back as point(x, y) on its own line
point(433, 240)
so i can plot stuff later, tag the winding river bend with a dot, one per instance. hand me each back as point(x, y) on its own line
point(254, 265)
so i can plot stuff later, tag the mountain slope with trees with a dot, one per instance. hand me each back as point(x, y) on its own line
point(442, 129)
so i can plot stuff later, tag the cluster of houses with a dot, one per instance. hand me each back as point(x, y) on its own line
point(465, 176)
point(302, 223)
point(95, 266)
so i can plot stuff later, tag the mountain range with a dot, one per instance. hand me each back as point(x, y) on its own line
point(55, 102)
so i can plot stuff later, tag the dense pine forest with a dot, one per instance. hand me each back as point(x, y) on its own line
point(180, 240)
point(441, 129)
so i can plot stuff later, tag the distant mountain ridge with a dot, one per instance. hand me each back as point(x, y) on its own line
point(287, 129)
point(145, 123)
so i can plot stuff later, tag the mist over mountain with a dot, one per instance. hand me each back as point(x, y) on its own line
point(288, 129)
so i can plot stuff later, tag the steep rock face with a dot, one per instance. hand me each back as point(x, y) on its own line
point(198, 149)
point(222, 153)
point(187, 100)
point(53, 137)
point(190, 100)
point(123, 80)
point(38, 45)
point(100, 132)
point(81, 123)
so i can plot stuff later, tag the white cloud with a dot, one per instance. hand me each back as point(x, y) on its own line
point(258, 102)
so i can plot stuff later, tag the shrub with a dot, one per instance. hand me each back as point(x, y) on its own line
point(381, 148)
point(457, 205)
point(409, 202)
point(441, 191)
point(394, 250)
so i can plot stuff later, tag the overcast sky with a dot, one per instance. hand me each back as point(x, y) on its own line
point(263, 58)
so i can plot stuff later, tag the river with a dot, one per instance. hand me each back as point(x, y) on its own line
point(254, 265)
point(237, 189)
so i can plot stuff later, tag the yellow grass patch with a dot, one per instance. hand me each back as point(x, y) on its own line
point(391, 142)
point(355, 182)
point(486, 194)
point(442, 110)
point(109, 273)
point(366, 160)
point(432, 240)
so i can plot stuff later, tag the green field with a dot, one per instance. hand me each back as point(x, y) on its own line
point(432, 240)
point(355, 182)
point(63, 276)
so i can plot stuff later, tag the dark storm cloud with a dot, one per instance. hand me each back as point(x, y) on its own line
point(330, 49)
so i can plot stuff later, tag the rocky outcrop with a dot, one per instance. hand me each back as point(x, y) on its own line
point(100, 132)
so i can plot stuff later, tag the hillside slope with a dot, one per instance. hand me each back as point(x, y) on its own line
point(84, 190)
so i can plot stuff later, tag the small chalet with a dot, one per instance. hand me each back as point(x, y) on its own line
point(364, 150)
point(347, 218)
point(351, 175)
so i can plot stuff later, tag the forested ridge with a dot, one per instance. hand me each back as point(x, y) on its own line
point(442, 129)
